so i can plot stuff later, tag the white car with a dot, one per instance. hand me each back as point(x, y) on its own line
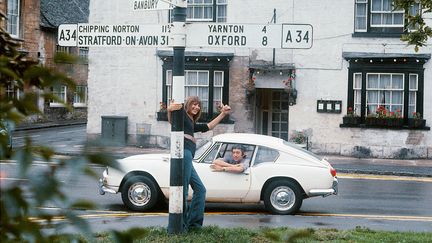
point(281, 175)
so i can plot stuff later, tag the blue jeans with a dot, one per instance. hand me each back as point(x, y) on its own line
point(193, 213)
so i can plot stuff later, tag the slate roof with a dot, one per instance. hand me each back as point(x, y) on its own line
point(56, 12)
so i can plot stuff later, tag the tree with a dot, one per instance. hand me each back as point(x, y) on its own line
point(417, 32)
point(22, 219)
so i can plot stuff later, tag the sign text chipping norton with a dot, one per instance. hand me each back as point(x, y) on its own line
point(87, 35)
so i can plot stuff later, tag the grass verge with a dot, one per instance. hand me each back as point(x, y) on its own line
point(215, 234)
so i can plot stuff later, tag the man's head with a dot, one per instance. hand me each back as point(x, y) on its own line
point(238, 152)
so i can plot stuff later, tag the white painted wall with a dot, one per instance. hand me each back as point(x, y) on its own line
point(127, 81)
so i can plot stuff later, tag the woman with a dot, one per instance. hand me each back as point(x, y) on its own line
point(194, 213)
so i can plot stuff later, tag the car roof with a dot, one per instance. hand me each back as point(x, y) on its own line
point(248, 138)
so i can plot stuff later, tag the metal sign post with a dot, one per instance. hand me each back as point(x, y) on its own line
point(177, 201)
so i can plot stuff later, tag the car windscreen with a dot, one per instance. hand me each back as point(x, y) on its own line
point(202, 147)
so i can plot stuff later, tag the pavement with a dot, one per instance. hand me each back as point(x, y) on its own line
point(342, 164)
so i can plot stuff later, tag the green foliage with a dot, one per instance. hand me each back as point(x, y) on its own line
point(281, 234)
point(21, 217)
point(417, 32)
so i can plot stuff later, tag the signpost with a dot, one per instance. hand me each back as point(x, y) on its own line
point(285, 36)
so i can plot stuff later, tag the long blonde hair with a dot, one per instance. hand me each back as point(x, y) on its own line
point(191, 100)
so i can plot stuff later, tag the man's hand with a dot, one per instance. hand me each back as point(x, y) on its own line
point(216, 168)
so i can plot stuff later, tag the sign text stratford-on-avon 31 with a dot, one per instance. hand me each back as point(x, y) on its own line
point(87, 35)
point(285, 36)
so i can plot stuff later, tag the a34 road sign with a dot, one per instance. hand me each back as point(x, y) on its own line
point(285, 36)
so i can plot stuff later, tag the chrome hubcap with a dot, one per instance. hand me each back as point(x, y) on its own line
point(139, 194)
point(282, 198)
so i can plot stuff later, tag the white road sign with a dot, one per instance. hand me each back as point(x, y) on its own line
point(285, 36)
point(140, 5)
point(289, 36)
point(87, 35)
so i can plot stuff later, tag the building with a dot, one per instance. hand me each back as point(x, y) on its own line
point(34, 24)
point(357, 65)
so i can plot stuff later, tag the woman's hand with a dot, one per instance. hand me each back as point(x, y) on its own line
point(174, 106)
point(225, 109)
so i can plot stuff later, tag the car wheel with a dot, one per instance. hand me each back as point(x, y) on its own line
point(283, 197)
point(139, 193)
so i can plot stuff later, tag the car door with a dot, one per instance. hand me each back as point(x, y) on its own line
point(222, 186)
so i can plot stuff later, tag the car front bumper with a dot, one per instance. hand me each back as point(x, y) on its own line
point(103, 185)
point(103, 188)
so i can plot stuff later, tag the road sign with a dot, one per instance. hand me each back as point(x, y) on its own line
point(140, 5)
point(88, 35)
point(285, 36)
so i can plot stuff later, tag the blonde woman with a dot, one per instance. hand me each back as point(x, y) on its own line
point(194, 212)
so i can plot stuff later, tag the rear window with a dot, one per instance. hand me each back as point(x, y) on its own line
point(266, 154)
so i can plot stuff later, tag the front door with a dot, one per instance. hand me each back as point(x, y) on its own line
point(273, 110)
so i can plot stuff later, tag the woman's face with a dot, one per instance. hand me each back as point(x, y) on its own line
point(194, 109)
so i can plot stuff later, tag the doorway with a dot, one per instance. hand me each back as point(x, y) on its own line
point(272, 113)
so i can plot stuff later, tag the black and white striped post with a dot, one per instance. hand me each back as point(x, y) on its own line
point(178, 41)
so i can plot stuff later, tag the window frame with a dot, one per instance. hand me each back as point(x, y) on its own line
point(13, 30)
point(215, 5)
point(211, 64)
point(79, 98)
point(402, 65)
point(63, 89)
point(380, 30)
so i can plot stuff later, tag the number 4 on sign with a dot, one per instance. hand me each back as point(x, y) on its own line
point(67, 35)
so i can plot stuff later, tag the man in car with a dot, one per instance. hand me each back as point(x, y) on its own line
point(236, 164)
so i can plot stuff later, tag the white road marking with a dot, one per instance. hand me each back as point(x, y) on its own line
point(31, 136)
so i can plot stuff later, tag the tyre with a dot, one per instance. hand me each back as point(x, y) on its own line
point(139, 193)
point(283, 197)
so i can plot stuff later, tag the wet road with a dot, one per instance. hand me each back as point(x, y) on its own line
point(387, 203)
point(382, 203)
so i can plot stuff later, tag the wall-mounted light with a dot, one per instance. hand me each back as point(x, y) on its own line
point(218, 59)
point(196, 59)
point(394, 60)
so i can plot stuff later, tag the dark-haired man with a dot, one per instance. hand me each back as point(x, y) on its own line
point(236, 164)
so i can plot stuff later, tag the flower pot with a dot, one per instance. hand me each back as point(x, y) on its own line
point(350, 120)
point(395, 122)
point(376, 122)
point(162, 116)
point(416, 123)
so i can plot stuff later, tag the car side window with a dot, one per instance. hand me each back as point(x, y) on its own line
point(265, 154)
point(208, 159)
